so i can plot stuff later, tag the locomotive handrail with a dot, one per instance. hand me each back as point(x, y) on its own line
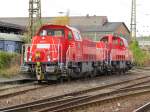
point(24, 53)
point(67, 56)
point(27, 50)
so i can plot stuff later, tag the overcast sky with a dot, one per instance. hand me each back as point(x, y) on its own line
point(115, 10)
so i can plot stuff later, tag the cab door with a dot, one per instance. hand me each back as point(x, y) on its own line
point(75, 45)
point(70, 53)
point(78, 46)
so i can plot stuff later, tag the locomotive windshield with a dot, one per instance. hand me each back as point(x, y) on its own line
point(104, 39)
point(52, 32)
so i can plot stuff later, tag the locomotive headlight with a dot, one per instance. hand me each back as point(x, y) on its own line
point(37, 54)
point(29, 59)
point(30, 56)
point(48, 58)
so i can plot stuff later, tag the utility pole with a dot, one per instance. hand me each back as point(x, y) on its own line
point(133, 21)
point(34, 16)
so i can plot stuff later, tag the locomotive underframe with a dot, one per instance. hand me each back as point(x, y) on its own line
point(55, 71)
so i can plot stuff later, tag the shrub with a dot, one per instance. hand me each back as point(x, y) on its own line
point(140, 56)
point(9, 62)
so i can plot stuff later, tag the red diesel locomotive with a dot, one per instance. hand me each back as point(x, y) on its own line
point(58, 52)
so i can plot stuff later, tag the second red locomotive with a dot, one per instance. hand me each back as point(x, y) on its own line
point(58, 52)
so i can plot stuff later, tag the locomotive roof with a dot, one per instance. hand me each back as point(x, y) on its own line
point(67, 26)
point(72, 28)
point(11, 25)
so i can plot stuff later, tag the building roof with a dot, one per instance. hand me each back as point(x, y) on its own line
point(11, 25)
point(83, 23)
point(82, 20)
point(107, 27)
point(88, 20)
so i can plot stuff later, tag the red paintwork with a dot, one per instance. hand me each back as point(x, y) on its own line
point(113, 48)
point(62, 49)
point(56, 45)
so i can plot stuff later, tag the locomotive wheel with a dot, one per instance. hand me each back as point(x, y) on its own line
point(123, 71)
point(39, 81)
point(108, 73)
point(86, 75)
point(93, 73)
point(68, 78)
point(61, 80)
point(69, 72)
point(120, 72)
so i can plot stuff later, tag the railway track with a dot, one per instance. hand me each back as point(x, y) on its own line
point(94, 100)
point(7, 85)
point(14, 86)
point(144, 108)
point(19, 89)
point(85, 97)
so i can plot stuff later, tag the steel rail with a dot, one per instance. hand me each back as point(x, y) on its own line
point(94, 100)
point(144, 108)
point(2, 96)
point(16, 86)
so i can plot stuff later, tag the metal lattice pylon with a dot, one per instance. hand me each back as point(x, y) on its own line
point(133, 20)
point(34, 16)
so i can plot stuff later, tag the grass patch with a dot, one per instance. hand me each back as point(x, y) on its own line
point(10, 72)
point(140, 57)
point(9, 64)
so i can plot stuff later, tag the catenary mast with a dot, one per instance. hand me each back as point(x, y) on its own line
point(34, 16)
point(133, 20)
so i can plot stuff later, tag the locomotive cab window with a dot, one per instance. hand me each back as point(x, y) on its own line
point(115, 42)
point(121, 43)
point(52, 32)
point(105, 40)
point(43, 33)
point(70, 35)
point(77, 36)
